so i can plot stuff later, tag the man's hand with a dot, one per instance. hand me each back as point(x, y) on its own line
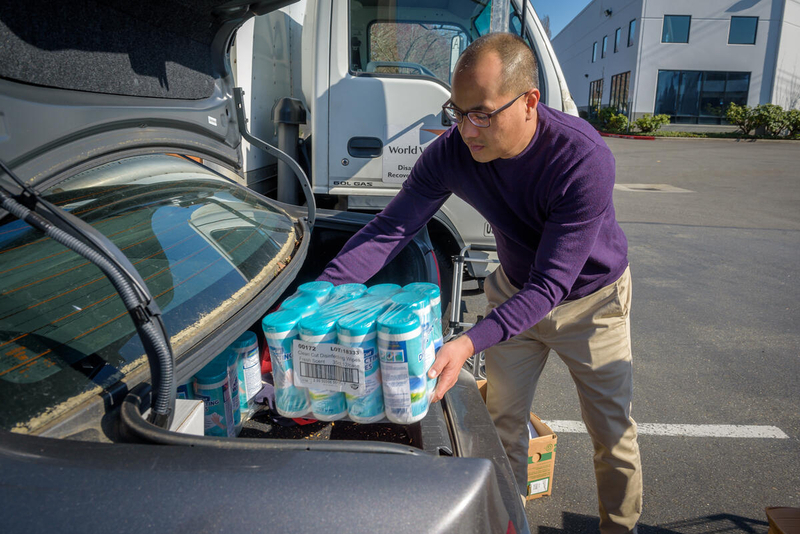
point(449, 360)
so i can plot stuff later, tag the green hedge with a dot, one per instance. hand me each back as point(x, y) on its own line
point(651, 123)
point(771, 119)
point(768, 121)
point(611, 120)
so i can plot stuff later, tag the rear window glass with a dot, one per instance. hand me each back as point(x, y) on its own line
point(202, 244)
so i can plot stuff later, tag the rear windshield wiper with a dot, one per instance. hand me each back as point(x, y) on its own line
point(82, 238)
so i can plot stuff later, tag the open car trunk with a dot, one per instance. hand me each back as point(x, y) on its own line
point(413, 264)
point(442, 464)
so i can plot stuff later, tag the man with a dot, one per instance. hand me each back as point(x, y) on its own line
point(544, 180)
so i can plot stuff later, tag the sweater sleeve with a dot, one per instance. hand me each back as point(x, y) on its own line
point(375, 245)
point(579, 204)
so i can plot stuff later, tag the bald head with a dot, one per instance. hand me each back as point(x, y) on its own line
point(519, 71)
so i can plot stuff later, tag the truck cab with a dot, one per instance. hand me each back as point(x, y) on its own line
point(372, 76)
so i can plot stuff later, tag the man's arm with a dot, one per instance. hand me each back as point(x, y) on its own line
point(384, 237)
point(568, 239)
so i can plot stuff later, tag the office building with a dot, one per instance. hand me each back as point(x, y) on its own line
point(686, 58)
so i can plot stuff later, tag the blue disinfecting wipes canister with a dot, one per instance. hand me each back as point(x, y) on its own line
point(280, 331)
point(319, 329)
point(421, 306)
point(348, 291)
point(319, 290)
point(233, 380)
point(434, 295)
point(401, 353)
point(431, 291)
point(384, 290)
point(359, 330)
point(184, 391)
point(248, 367)
point(305, 304)
point(212, 386)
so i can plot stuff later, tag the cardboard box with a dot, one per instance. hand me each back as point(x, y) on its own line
point(541, 454)
point(188, 418)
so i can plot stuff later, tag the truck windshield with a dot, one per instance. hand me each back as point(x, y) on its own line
point(203, 246)
point(410, 37)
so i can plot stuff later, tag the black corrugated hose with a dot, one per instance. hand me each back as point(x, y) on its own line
point(156, 346)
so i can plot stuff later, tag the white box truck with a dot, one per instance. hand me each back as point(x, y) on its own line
point(353, 89)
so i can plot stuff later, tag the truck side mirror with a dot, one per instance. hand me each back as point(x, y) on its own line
point(455, 51)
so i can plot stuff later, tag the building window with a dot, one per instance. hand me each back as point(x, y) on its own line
point(676, 29)
point(617, 38)
point(700, 97)
point(631, 32)
point(619, 91)
point(743, 30)
point(595, 96)
point(594, 52)
point(605, 46)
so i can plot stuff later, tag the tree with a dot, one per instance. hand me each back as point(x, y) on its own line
point(546, 25)
point(426, 45)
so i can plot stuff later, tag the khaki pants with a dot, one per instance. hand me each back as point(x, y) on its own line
point(592, 336)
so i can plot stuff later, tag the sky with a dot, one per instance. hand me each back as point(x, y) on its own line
point(561, 12)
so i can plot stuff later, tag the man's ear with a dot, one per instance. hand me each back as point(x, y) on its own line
point(531, 101)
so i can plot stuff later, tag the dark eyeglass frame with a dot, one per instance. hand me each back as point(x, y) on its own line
point(455, 114)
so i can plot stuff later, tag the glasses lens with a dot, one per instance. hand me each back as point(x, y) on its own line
point(453, 115)
point(480, 120)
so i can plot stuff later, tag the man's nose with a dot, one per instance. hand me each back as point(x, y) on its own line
point(468, 130)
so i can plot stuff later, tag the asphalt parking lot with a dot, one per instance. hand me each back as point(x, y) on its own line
point(714, 246)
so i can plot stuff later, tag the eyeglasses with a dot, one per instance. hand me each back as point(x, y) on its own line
point(481, 119)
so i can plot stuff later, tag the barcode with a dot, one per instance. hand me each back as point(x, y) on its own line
point(329, 372)
point(539, 486)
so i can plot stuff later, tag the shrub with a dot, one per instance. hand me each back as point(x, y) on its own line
point(743, 117)
point(650, 123)
point(611, 120)
point(793, 122)
point(604, 115)
point(617, 123)
point(770, 117)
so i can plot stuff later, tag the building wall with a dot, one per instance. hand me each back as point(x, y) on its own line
point(786, 90)
point(573, 47)
point(773, 61)
point(708, 48)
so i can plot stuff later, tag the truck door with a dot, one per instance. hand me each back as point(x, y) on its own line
point(391, 63)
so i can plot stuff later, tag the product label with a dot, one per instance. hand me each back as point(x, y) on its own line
point(233, 380)
point(396, 388)
point(371, 363)
point(373, 382)
point(538, 486)
point(426, 320)
point(281, 357)
point(329, 367)
point(252, 375)
point(404, 380)
point(218, 418)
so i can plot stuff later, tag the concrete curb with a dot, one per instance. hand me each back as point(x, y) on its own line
point(623, 136)
point(668, 138)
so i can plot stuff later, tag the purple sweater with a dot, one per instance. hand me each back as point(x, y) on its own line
point(550, 208)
